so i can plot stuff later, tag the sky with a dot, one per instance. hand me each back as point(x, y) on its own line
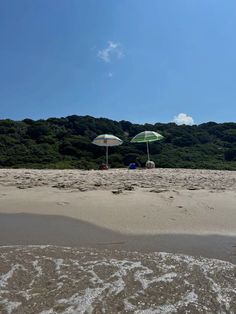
point(145, 61)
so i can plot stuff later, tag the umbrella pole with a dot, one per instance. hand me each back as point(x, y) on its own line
point(148, 151)
point(107, 156)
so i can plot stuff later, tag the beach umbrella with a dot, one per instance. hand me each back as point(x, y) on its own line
point(107, 140)
point(146, 137)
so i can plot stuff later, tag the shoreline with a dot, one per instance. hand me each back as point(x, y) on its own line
point(32, 229)
point(172, 210)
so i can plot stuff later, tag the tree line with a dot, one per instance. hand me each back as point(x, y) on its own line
point(66, 143)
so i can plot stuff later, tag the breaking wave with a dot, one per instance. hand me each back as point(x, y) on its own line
point(50, 280)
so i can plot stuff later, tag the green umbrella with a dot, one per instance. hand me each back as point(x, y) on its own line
point(146, 137)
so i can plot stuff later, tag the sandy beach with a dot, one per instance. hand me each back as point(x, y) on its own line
point(111, 215)
point(148, 202)
point(114, 207)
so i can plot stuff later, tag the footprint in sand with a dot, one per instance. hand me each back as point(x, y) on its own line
point(185, 211)
point(62, 203)
point(210, 207)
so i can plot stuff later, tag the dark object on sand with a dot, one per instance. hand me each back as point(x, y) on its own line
point(132, 166)
point(103, 167)
point(118, 191)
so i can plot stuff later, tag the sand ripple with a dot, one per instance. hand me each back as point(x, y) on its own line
point(120, 178)
point(49, 279)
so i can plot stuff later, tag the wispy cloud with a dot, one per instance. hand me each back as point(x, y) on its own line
point(110, 74)
point(113, 50)
point(183, 118)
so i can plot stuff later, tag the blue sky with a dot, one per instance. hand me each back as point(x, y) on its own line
point(137, 60)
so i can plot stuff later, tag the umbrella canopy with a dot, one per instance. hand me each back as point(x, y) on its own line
point(107, 140)
point(146, 137)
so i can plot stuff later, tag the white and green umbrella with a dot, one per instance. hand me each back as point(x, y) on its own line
point(107, 140)
point(146, 137)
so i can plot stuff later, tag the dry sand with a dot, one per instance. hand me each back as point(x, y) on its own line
point(159, 201)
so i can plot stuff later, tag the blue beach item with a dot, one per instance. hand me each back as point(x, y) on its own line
point(132, 166)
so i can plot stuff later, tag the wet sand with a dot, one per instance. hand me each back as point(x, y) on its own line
point(28, 229)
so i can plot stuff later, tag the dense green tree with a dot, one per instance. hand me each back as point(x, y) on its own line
point(230, 154)
point(66, 143)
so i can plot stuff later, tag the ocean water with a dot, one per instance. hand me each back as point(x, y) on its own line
point(51, 279)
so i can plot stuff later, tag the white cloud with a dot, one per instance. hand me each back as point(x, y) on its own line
point(112, 50)
point(110, 74)
point(183, 118)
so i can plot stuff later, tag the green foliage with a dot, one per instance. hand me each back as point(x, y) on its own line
point(63, 143)
point(230, 154)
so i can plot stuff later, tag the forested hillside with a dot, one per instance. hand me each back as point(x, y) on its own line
point(66, 143)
